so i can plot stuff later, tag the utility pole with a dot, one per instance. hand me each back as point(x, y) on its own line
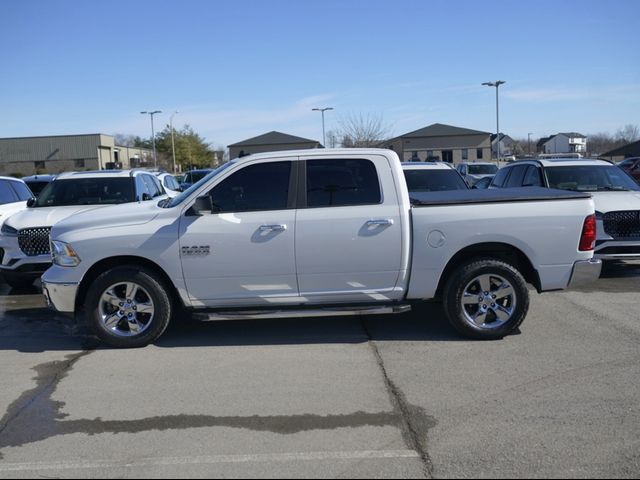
point(324, 141)
point(153, 136)
point(497, 85)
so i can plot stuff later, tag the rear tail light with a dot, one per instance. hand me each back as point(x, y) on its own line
point(588, 237)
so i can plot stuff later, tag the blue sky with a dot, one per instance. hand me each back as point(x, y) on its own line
point(237, 69)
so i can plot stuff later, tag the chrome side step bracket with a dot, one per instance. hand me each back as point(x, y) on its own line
point(301, 313)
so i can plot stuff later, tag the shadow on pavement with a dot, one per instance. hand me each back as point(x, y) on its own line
point(39, 329)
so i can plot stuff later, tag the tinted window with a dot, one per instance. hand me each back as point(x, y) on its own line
point(433, 180)
point(517, 176)
point(264, 186)
point(532, 177)
point(482, 169)
point(37, 186)
point(596, 178)
point(170, 183)
point(7, 195)
point(153, 186)
point(86, 191)
point(332, 183)
point(23, 192)
point(500, 178)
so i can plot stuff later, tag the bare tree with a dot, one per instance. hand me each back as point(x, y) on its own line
point(628, 134)
point(124, 140)
point(362, 131)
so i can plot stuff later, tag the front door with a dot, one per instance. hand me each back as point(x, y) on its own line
point(242, 252)
point(447, 156)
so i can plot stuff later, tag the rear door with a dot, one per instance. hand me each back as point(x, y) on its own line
point(348, 230)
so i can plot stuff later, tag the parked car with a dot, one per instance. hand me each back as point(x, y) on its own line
point(316, 233)
point(170, 184)
point(36, 183)
point(432, 177)
point(616, 196)
point(24, 237)
point(14, 194)
point(474, 171)
point(193, 176)
point(632, 167)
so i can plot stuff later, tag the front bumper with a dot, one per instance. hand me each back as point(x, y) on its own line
point(60, 296)
point(585, 272)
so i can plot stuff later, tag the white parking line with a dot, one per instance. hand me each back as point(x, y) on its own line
point(209, 459)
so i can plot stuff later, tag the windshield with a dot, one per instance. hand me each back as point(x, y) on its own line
point(590, 178)
point(433, 180)
point(86, 191)
point(483, 169)
point(178, 199)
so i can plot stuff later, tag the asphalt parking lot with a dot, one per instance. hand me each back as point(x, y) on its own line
point(376, 397)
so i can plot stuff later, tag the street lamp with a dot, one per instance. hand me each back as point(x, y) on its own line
point(153, 136)
point(529, 143)
point(497, 85)
point(173, 144)
point(324, 142)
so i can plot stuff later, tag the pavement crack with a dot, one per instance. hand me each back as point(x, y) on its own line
point(415, 423)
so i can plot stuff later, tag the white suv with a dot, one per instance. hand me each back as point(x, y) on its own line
point(14, 194)
point(615, 193)
point(24, 237)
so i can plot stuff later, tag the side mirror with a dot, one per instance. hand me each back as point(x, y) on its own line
point(145, 197)
point(202, 204)
point(31, 202)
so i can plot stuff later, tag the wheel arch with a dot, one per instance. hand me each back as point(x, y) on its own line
point(499, 251)
point(125, 261)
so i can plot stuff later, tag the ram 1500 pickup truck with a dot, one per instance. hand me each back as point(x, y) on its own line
point(318, 233)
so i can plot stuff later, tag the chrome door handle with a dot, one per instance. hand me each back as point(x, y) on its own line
point(384, 223)
point(273, 228)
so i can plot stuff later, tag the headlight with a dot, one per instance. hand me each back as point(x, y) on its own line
point(63, 254)
point(7, 230)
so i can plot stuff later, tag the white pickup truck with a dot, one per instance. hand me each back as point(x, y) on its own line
point(318, 233)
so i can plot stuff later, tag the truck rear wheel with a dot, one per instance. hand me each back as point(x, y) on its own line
point(126, 307)
point(486, 299)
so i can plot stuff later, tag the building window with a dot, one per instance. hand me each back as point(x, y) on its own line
point(39, 165)
point(414, 157)
point(479, 154)
point(465, 154)
point(78, 163)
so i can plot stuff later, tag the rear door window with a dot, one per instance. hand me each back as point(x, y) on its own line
point(517, 176)
point(532, 177)
point(342, 182)
point(501, 177)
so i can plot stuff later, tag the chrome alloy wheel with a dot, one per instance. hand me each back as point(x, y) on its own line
point(126, 309)
point(488, 301)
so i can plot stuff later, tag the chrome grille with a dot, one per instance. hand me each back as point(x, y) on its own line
point(624, 224)
point(34, 241)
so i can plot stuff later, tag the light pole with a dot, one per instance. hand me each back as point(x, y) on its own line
point(324, 141)
point(173, 144)
point(497, 85)
point(153, 136)
point(529, 143)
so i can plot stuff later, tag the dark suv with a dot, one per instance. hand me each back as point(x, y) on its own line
point(632, 167)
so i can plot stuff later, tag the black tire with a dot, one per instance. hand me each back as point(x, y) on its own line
point(18, 281)
point(104, 317)
point(481, 311)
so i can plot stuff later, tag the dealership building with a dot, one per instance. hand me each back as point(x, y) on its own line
point(60, 153)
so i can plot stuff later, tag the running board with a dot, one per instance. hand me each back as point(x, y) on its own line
point(301, 313)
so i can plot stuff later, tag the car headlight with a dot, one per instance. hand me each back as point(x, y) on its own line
point(7, 230)
point(63, 254)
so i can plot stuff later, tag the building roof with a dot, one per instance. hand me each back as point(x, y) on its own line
point(632, 149)
point(272, 138)
point(502, 137)
point(441, 130)
point(572, 135)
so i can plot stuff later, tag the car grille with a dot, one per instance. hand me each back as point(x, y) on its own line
point(34, 241)
point(624, 224)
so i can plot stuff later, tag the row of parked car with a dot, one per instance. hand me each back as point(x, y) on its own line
point(29, 207)
point(615, 190)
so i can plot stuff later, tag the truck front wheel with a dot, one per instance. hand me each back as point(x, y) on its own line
point(126, 307)
point(486, 299)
